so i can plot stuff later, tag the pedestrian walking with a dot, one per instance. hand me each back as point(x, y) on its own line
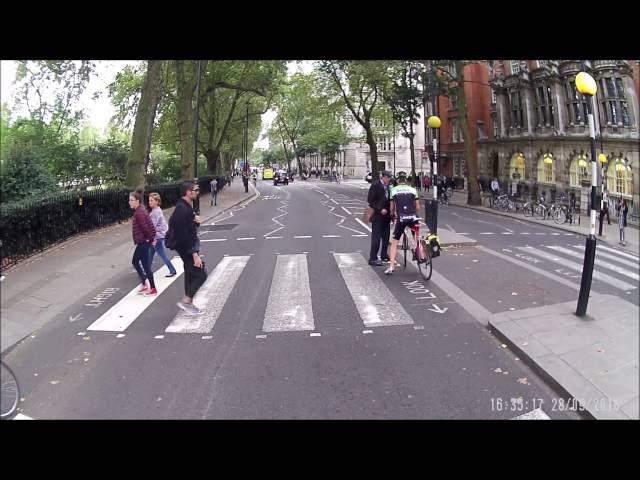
point(161, 227)
point(427, 182)
point(622, 209)
point(605, 206)
point(245, 180)
point(495, 189)
point(214, 192)
point(143, 236)
point(378, 200)
point(183, 238)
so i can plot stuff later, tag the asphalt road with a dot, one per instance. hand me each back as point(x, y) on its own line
point(298, 326)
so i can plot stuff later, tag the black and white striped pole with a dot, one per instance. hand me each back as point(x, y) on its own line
point(435, 123)
point(586, 85)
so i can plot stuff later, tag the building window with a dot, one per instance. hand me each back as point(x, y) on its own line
point(493, 97)
point(456, 132)
point(384, 142)
point(545, 106)
point(517, 115)
point(546, 169)
point(495, 128)
point(515, 66)
point(621, 182)
point(516, 166)
point(452, 102)
point(576, 105)
point(579, 171)
point(542, 63)
point(615, 110)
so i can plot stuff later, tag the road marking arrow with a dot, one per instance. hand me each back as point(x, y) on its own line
point(77, 317)
point(437, 309)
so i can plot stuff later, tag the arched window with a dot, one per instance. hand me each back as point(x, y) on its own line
point(516, 167)
point(579, 170)
point(620, 179)
point(546, 169)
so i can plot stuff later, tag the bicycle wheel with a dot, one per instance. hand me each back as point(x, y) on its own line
point(405, 247)
point(487, 202)
point(425, 266)
point(527, 209)
point(541, 212)
point(10, 394)
point(560, 216)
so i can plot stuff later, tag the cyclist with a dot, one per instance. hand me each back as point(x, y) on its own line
point(404, 208)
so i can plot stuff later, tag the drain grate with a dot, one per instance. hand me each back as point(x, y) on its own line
point(215, 228)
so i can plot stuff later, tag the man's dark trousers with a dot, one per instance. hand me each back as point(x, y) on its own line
point(380, 229)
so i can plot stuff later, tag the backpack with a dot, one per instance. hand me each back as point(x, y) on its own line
point(170, 240)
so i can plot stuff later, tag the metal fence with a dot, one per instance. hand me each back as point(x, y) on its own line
point(35, 225)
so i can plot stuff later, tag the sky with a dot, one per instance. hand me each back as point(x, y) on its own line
point(98, 112)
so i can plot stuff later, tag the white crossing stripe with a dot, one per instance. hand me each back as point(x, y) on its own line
point(537, 414)
point(600, 253)
point(20, 416)
point(289, 307)
point(330, 236)
point(617, 252)
point(348, 212)
point(211, 297)
point(599, 263)
point(487, 233)
point(375, 303)
point(614, 282)
point(302, 236)
point(214, 240)
point(246, 238)
point(124, 313)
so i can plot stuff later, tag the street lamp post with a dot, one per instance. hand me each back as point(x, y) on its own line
point(434, 123)
point(586, 85)
point(197, 199)
point(394, 145)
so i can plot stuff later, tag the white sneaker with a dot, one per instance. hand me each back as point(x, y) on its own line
point(388, 271)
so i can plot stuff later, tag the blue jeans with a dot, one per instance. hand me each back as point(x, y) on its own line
point(162, 253)
point(141, 262)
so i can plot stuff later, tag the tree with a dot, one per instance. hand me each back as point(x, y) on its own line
point(403, 96)
point(360, 84)
point(143, 128)
point(451, 82)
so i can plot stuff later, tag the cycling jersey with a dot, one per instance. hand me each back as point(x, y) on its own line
point(405, 197)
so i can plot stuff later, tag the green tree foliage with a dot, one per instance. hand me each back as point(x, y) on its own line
point(361, 85)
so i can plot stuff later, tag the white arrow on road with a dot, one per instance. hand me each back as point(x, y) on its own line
point(77, 317)
point(506, 250)
point(437, 309)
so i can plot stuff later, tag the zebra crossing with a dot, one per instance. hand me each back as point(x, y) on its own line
point(289, 305)
point(612, 267)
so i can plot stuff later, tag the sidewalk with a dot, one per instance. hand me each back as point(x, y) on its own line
point(593, 360)
point(36, 291)
point(610, 233)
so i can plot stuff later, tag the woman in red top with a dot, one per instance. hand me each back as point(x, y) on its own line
point(144, 237)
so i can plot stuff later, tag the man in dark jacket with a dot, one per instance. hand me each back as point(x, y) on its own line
point(378, 199)
point(183, 226)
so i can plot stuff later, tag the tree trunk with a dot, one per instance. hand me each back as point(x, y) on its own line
point(472, 162)
point(213, 161)
point(143, 127)
point(373, 151)
point(186, 120)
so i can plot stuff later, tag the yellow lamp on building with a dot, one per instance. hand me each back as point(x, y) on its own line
point(434, 122)
point(602, 158)
point(585, 84)
point(548, 158)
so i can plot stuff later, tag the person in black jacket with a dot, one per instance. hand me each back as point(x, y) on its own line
point(378, 199)
point(182, 224)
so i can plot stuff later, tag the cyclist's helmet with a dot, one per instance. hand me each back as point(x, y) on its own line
point(401, 176)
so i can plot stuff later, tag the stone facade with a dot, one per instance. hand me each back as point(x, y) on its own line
point(543, 146)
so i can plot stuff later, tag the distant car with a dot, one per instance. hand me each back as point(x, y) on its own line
point(281, 177)
point(369, 177)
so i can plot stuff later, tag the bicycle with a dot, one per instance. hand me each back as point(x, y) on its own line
point(10, 393)
point(420, 250)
